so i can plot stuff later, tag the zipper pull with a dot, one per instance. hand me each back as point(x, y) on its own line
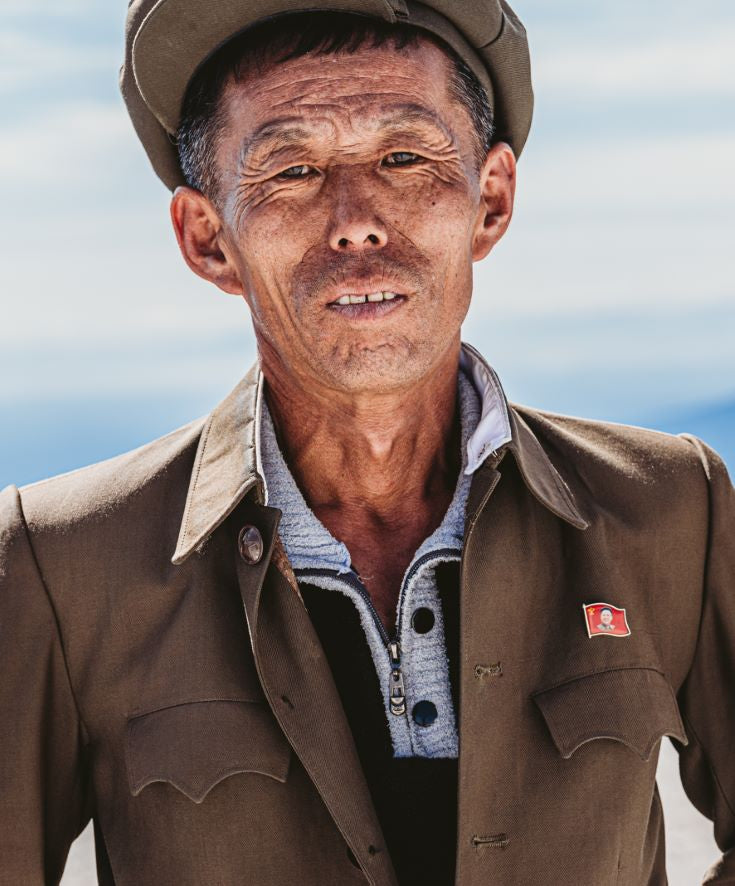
point(396, 692)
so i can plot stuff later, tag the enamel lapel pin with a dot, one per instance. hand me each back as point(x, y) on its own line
point(605, 620)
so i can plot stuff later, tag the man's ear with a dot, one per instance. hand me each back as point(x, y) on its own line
point(200, 238)
point(497, 192)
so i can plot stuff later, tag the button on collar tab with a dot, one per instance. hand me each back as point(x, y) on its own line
point(250, 544)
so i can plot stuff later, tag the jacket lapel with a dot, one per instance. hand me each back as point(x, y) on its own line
point(298, 683)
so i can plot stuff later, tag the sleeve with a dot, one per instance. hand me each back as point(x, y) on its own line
point(707, 696)
point(44, 795)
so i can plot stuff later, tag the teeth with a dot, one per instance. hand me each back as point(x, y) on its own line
point(361, 299)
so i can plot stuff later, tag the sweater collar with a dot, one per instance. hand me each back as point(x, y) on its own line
point(308, 542)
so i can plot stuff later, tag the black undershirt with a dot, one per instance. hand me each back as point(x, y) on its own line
point(415, 797)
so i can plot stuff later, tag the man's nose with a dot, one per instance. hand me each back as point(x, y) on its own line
point(355, 227)
point(356, 236)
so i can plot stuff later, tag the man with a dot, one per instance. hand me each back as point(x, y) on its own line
point(295, 642)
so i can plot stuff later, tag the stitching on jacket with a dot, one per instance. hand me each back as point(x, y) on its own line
point(24, 525)
point(647, 748)
point(496, 841)
point(198, 796)
point(595, 673)
point(133, 715)
point(200, 459)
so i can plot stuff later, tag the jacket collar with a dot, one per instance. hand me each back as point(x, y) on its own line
point(225, 465)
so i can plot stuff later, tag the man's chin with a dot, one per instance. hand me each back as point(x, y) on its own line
point(377, 368)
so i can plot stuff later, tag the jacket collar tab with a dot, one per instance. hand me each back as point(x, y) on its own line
point(537, 470)
point(540, 475)
point(224, 465)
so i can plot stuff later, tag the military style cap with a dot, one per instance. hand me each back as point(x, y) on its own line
point(167, 40)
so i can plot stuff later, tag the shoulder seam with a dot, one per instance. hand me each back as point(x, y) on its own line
point(698, 446)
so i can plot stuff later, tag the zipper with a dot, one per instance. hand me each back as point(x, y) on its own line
point(351, 578)
point(396, 689)
point(396, 686)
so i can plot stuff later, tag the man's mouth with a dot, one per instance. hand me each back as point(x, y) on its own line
point(366, 305)
point(358, 299)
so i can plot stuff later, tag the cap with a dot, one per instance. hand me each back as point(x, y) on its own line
point(167, 40)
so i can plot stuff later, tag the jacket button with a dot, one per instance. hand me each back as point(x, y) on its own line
point(422, 620)
point(250, 544)
point(424, 712)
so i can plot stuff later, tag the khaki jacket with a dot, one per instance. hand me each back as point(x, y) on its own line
point(158, 681)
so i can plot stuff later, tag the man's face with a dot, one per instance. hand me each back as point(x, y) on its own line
point(342, 178)
point(606, 617)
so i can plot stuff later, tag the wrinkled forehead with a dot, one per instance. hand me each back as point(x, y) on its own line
point(370, 89)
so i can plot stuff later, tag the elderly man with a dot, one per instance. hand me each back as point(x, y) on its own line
point(297, 641)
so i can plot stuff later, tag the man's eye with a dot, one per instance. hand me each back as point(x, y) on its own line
point(401, 158)
point(300, 171)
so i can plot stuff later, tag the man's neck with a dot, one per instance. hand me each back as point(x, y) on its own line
point(378, 470)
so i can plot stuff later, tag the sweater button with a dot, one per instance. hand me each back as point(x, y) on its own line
point(424, 712)
point(422, 620)
point(250, 544)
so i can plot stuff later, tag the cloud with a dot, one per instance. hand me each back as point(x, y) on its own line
point(656, 173)
point(678, 67)
point(59, 9)
point(632, 223)
point(29, 60)
point(78, 142)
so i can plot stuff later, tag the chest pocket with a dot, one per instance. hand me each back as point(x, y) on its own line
point(195, 745)
point(635, 706)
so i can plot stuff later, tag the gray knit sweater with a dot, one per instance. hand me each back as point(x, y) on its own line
point(314, 552)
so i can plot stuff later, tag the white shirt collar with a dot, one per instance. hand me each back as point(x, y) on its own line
point(493, 429)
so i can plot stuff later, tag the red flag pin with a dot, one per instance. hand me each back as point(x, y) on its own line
point(605, 620)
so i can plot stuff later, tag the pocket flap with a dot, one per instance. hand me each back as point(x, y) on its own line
point(194, 745)
point(635, 706)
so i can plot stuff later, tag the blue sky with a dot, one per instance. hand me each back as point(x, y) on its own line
point(611, 295)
